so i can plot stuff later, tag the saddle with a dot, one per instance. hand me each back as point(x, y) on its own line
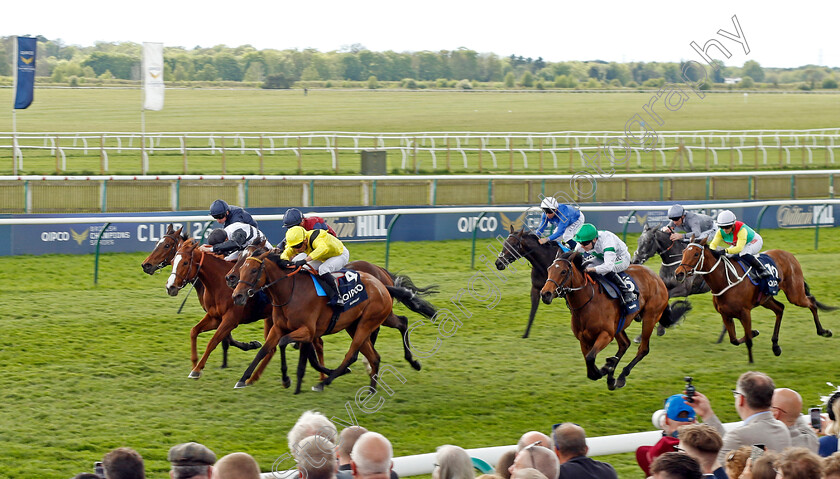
point(768, 286)
point(350, 287)
point(614, 292)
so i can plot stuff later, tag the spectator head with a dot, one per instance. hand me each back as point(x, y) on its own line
point(123, 463)
point(190, 460)
point(832, 407)
point(346, 441)
point(675, 465)
point(765, 466)
point(372, 456)
point(702, 442)
point(786, 405)
point(238, 465)
point(311, 423)
point(831, 466)
point(799, 463)
point(528, 473)
point(736, 460)
point(505, 461)
point(677, 413)
point(316, 458)
point(452, 462)
point(754, 391)
point(536, 457)
point(531, 437)
point(569, 441)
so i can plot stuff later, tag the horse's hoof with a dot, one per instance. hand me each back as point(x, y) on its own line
point(254, 345)
point(620, 382)
point(194, 374)
point(660, 330)
point(637, 339)
point(611, 383)
point(594, 375)
point(777, 350)
point(240, 385)
point(287, 383)
point(416, 365)
point(318, 387)
point(223, 366)
point(755, 333)
point(826, 333)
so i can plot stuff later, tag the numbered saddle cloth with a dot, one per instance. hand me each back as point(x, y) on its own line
point(768, 286)
point(350, 287)
point(614, 293)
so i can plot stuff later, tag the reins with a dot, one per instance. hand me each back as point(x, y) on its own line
point(728, 266)
point(563, 291)
point(253, 285)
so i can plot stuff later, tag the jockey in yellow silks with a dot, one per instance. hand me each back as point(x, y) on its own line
point(321, 250)
point(741, 240)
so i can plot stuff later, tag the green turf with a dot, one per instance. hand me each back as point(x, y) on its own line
point(117, 110)
point(84, 369)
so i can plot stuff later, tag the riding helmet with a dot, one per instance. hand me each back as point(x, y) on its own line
point(292, 217)
point(219, 207)
point(587, 232)
point(675, 212)
point(726, 218)
point(295, 235)
point(218, 235)
point(549, 203)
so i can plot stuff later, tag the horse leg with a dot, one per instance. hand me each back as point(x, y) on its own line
point(800, 296)
point(746, 322)
point(207, 323)
point(373, 358)
point(263, 364)
point(649, 321)
point(612, 361)
point(223, 330)
point(306, 352)
point(402, 326)
point(535, 303)
point(361, 335)
point(600, 343)
point(779, 309)
point(225, 347)
point(271, 341)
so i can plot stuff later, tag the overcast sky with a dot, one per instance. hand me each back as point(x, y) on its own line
point(779, 34)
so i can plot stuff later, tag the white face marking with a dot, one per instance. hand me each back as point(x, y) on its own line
point(160, 241)
point(171, 281)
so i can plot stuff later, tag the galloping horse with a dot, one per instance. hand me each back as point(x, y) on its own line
point(735, 297)
point(299, 314)
point(162, 256)
point(655, 241)
point(597, 319)
point(527, 245)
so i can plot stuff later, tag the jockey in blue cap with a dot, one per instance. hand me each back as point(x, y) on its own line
point(227, 214)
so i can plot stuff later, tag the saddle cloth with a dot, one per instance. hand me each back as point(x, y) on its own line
point(614, 293)
point(769, 286)
point(350, 287)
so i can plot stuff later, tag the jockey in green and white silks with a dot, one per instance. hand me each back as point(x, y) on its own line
point(610, 254)
point(741, 240)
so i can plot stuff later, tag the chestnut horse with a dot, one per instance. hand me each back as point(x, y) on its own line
point(524, 244)
point(161, 256)
point(597, 319)
point(299, 314)
point(734, 296)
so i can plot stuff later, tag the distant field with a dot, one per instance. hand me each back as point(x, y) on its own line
point(74, 110)
point(85, 369)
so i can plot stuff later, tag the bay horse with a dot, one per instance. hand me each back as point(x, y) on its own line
point(161, 256)
point(597, 319)
point(524, 244)
point(734, 296)
point(299, 314)
point(655, 241)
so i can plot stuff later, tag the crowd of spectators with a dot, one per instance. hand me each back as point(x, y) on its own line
point(775, 440)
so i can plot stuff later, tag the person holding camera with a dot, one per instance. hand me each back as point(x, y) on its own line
point(753, 396)
point(787, 407)
point(676, 413)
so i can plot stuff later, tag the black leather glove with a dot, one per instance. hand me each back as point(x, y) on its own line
point(299, 263)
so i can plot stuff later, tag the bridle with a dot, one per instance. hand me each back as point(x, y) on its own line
point(254, 289)
point(730, 269)
point(189, 268)
point(562, 290)
point(167, 261)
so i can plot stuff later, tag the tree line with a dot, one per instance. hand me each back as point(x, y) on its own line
point(460, 67)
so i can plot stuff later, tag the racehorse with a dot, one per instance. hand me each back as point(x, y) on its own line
point(734, 297)
point(299, 314)
point(655, 241)
point(527, 245)
point(162, 255)
point(597, 319)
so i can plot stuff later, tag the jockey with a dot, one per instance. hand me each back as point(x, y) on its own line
point(231, 240)
point(227, 215)
point(610, 256)
point(293, 217)
point(566, 219)
point(742, 241)
point(321, 250)
point(699, 225)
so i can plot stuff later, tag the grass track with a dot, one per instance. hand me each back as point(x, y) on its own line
point(85, 369)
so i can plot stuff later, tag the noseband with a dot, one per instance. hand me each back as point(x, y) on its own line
point(167, 261)
point(189, 267)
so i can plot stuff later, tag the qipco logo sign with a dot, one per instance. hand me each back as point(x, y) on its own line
point(469, 223)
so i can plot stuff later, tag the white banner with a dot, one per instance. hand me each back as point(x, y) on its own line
point(152, 76)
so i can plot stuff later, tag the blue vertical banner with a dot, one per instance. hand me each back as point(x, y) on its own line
point(25, 72)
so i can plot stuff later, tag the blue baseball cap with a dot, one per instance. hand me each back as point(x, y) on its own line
point(675, 406)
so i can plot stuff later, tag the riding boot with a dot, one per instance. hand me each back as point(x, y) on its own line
point(572, 243)
point(332, 285)
point(627, 296)
point(763, 272)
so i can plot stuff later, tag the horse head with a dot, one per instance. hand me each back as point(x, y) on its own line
point(692, 260)
point(184, 267)
point(257, 248)
point(252, 278)
point(561, 275)
point(511, 249)
point(646, 245)
point(164, 250)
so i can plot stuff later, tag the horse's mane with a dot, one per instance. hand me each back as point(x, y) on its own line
point(575, 258)
point(274, 256)
point(527, 233)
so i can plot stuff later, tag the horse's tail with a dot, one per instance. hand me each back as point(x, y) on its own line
point(404, 281)
point(675, 312)
point(412, 301)
point(821, 306)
